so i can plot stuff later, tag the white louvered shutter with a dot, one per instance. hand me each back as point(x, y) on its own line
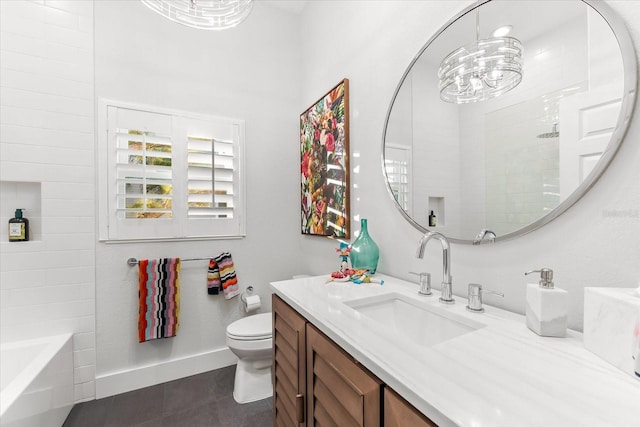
point(172, 175)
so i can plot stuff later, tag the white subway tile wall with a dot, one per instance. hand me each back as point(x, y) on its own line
point(47, 165)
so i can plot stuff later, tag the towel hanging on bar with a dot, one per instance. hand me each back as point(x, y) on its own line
point(228, 278)
point(213, 278)
point(159, 298)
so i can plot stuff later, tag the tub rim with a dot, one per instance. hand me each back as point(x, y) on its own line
point(18, 385)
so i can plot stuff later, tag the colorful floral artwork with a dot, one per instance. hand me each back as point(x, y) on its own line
point(324, 164)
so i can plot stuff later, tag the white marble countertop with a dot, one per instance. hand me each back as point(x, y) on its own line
point(499, 375)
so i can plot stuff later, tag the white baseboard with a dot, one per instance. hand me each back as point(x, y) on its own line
point(145, 376)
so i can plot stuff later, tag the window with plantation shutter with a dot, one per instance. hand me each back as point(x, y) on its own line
point(169, 174)
point(144, 176)
point(210, 177)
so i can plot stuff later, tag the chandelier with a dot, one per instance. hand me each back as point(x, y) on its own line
point(203, 14)
point(481, 70)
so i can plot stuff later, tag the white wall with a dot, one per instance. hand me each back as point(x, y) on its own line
point(46, 163)
point(250, 72)
point(595, 243)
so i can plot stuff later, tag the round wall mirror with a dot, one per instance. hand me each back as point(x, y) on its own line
point(480, 168)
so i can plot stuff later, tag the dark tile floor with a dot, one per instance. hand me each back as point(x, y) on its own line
point(203, 400)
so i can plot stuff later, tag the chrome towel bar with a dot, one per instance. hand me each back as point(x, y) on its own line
point(132, 261)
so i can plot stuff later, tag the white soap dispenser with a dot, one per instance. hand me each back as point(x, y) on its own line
point(546, 306)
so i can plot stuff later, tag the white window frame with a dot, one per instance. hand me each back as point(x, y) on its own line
point(180, 226)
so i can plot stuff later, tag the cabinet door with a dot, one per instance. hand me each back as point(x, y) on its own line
point(289, 363)
point(400, 413)
point(339, 391)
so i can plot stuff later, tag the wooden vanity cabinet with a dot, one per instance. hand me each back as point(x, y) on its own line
point(289, 365)
point(317, 383)
point(339, 391)
point(400, 413)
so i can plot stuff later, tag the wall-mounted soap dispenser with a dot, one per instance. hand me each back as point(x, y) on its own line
point(546, 306)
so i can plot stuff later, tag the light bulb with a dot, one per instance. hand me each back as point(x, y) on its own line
point(476, 83)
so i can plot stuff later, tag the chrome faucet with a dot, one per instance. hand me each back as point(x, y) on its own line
point(446, 293)
point(485, 232)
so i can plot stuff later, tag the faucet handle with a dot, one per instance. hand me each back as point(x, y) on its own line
point(475, 297)
point(425, 283)
point(482, 234)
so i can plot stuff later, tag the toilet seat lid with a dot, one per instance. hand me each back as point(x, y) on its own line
point(253, 327)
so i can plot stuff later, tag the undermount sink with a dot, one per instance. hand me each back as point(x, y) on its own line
point(424, 324)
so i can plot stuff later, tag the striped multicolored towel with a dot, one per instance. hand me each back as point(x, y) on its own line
point(213, 278)
point(159, 298)
point(228, 277)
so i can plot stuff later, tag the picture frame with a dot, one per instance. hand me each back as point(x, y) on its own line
point(324, 165)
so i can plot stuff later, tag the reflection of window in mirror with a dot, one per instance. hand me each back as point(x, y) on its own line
point(397, 166)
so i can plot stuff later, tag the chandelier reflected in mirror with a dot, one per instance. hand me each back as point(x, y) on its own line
point(203, 14)
point(480, 70)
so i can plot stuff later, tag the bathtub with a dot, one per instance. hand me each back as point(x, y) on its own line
point(37, 382)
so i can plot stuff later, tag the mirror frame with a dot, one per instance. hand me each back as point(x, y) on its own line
point(630, 68)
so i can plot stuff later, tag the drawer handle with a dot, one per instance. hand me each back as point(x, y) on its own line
point(300, 408)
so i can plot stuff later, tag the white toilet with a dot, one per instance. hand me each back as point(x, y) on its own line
point(250, 339)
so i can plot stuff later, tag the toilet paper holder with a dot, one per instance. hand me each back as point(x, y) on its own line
point(250, 301)
point(248, 291)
